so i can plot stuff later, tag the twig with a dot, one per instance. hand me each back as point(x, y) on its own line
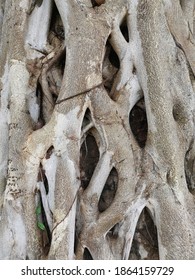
point(80, 93)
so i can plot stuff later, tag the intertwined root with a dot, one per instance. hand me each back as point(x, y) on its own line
point(121, 130)
point(104, 165)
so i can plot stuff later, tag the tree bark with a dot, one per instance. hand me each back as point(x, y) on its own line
point(97, 119)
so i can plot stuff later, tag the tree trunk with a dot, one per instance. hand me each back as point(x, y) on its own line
point(97, 121)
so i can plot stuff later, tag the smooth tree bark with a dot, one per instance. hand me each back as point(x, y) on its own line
point(97, 121)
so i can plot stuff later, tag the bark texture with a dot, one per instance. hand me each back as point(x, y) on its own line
point(97, 120)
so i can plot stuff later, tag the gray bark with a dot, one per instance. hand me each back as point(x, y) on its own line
point(97, 129)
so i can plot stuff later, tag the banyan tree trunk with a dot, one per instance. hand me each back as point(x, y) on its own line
point(97, 122)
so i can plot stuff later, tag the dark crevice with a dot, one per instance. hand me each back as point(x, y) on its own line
point(138, 122)
point(189, 166)
point(42, 178)
point(40, 213)
point(75, 237)
point(56, 25)
point(46, 233)
point(109, 191)
point(49, 152)
point(61, 63)
point(87, 255)
point(97, 3)
point(113, 232)
point(40, 101)
point(190, 181)
point(89, 157)
point(78, 225)
point(55, 97)
point(42, 225)
point(39, 3)
point(124, 30)
point(113, 58)
point(111, 65)
point(86, 119)
point(145, 241)
point(45, 182)
point(39, 96)
point(134, 70)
